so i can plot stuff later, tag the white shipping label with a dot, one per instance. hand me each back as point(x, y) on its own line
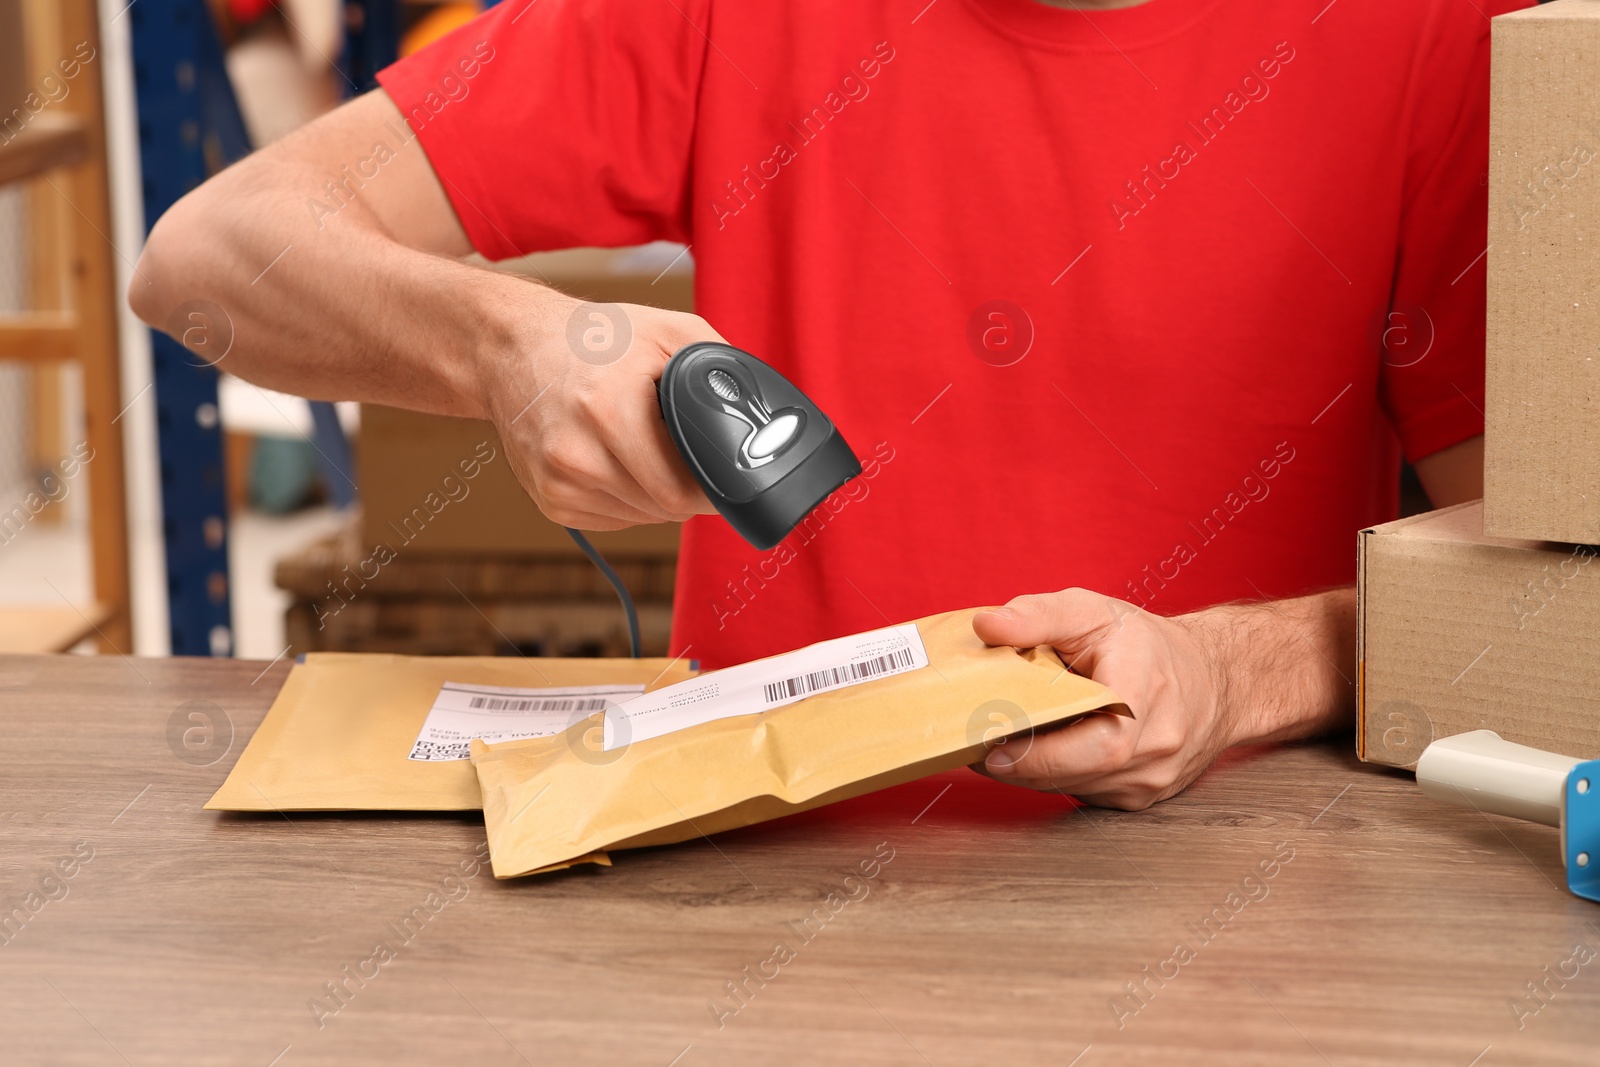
point(499, 713)
point(767, 684)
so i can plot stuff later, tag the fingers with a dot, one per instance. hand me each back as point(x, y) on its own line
point(591, 522)
point(1073, 621)
point(645, 451)
point(1074, 756)
point(648, 451)
point(590, 509)
point(596, 454)
point(580, 477)
point(1096, 760)
point(587, 493)
point(1132, 798)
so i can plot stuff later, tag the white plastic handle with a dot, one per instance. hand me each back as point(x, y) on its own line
point(1483, 770)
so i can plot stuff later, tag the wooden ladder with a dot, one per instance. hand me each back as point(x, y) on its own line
point(56, 142)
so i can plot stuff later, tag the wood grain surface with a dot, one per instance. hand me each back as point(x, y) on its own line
point(1004, 928)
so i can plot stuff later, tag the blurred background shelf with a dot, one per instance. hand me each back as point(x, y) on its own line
point(60, 362)
point(47, 628)
point(243, 498)
point(467, 602)
point(47, 142)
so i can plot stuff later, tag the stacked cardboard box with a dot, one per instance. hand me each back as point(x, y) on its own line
point(435, 484)
point(1460, 632)
point(452, 557)
point(1542, 441)
point(1487, 616)
point(346, 599)
point(13, 67)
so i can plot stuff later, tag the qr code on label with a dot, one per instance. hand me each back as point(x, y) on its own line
point(440, 750)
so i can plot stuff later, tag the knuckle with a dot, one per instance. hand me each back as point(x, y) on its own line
point(669, 494)
point(1077, 596)
point(559, 514)
point(1112, 748)
point(1104, 761)
point(558, 467)
point(592, 402)
point(1157, 783)
point(1124, 746)
point(682, 502)
point(566, 462)
point(1035, 603)
point(1122, 795)
point(1135, 799)
point(561, 504)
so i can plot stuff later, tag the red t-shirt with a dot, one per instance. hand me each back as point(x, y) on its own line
point(1145, 300)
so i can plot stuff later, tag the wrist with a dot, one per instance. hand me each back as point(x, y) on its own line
point(1286, 666)
point(514, 324)
point(1213, 633)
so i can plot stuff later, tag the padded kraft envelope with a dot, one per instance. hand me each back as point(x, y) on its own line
point(552, 801)
point(338, 736)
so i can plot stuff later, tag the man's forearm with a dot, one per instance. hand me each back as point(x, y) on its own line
point(1284, 669)
point(337, 312)
point(330, 261)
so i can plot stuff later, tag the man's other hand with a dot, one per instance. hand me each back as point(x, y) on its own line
point(1195, 685)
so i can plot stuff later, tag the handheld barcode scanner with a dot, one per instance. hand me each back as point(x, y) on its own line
point(762, 451)
point(1483, 771)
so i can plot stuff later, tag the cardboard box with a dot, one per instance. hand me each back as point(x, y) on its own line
point(1542, 461)
point(1459, 631)
point(404, 456)
point(432, 484)
point(13, 66)
point(659, 275)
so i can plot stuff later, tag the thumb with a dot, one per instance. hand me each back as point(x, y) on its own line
point(1072, 621)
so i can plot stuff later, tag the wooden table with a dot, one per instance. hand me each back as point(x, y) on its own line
point(1004, 928)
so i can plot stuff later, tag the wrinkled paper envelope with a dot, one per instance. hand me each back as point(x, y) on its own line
point(784, 734)
point(344, 729)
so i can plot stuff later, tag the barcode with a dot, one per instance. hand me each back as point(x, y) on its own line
point(537, 704)
point(440, 751)
point(834, 676)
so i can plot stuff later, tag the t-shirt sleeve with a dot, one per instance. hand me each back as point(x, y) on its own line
point(561, 123)
point(1432, 343)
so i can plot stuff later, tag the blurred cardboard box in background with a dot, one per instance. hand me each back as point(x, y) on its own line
point(434, 484)
point(13, 65)
point(1542, 448)
point(405, 457)
point(1459, 631)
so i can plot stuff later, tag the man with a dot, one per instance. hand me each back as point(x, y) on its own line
point(1141, 301)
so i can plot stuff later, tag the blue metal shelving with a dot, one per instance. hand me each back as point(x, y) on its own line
point(189, 125)
point(189, 128)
